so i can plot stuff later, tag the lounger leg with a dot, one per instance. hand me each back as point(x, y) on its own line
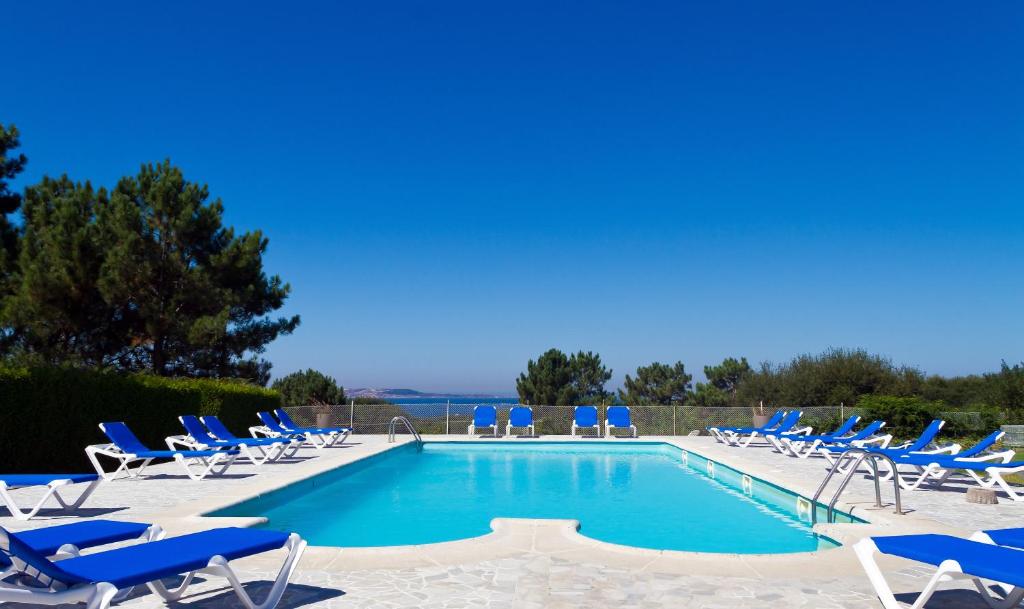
point(81, 498)
point(866, 551)
point(102, 597)
point(158, 588)
point(219, 566)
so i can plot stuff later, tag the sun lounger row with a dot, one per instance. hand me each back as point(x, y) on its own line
point(585, 418)
point(206, 448)
point(44, 566)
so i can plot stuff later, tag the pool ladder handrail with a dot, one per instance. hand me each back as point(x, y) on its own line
point(872, 458)
point(408, 426)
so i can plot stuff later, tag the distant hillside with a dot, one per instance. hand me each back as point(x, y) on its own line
point(392, 393)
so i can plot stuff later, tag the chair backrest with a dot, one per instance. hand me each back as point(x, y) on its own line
point(271, 422)
point(982, 444)
point(520, 416)
point(38, 569)
point(847, 426)
point(122, 437)
point(285, 418)
point(790, 420)
point(772, 422)
point(195, 428)
point(618, 416)
point(927, 435)
point(586, 416)
point(484, 416)
point(219, 429)
point(872, 428)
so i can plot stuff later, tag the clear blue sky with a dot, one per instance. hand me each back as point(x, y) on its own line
point(452, 188)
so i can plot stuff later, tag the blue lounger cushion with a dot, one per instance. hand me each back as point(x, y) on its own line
point(952, 462)
point(997, 563)
point(485, 416)
point(520, 416)
point(618, 416)
point(1007, 537)
point(147, 562)
point(586, 416)
point(87, 533)
point(12, 480)
point(772, 422)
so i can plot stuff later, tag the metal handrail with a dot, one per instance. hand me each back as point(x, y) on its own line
point(872, 459)
point(408, 426)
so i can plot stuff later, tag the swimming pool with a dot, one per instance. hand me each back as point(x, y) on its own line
point(649, 495)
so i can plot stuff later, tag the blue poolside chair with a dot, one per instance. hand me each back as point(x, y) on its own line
point(520, 417)
point(779, 440)
point(126, 448)
point(744, 438)
point(920, 445)
point(96, 579)
point(483, 417)
point(805, 446)
point(333, 432)
point(221, 431)
point(718, 432)
point(954, 558)
point(585, 417)
point(257, 450)
point(53, 483)
point(618, 417)
point(272, 428)
point(67, 540)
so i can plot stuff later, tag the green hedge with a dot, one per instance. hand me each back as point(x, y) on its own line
point(51, 414)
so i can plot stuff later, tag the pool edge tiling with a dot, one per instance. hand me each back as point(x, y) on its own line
point(779, 509)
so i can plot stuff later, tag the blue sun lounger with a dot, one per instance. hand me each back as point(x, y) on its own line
point(96, 579)
point(66, 540)
point(920, 445)
point(272, 428)
point(787, 424)
point(954, 558)
point(719, 432)
point(483, 417)
point(257, 450)
point(521, 417)
point(805, 446)
point(618, 417)
point(585, 417)
point(780, 439)
point(337, 435)
point(126, 448)
point(53, 483)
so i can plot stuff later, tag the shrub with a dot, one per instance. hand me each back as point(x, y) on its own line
point(309, 387)
point(905, 417)
point(51, 414)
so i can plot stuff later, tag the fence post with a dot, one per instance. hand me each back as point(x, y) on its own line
point(674, 420)
point(351, 414)
point(447, 410)
point(842, 412)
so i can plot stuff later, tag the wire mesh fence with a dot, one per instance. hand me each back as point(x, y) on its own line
point(454, 419)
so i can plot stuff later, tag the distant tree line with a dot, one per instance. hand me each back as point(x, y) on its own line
point(141, 277)
point(829, 378)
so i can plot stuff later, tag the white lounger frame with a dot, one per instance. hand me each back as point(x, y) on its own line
point(948, 570)
point(195, 468)
point(473, 429)
point(596, 427)
point(317, 441)
point(100, 595)
point(257, 455)
point(52, 490)
point(937, 475)
point(608, 427)
point(831, 457)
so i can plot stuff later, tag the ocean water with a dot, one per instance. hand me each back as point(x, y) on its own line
point(635, 494)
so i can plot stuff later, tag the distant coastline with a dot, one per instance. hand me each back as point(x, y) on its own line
point(414, 396)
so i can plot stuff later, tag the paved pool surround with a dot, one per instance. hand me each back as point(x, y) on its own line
point(546, 563)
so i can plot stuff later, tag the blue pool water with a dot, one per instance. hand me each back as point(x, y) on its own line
point(628, 493)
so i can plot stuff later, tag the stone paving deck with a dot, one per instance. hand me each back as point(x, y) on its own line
point(545, 563)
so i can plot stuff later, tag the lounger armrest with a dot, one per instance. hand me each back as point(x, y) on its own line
point(182, 443)
point(882, 441)
point(951, 449)
point(1004, 457)
point(107, 450)
point(261, 431)
point(803, 431)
